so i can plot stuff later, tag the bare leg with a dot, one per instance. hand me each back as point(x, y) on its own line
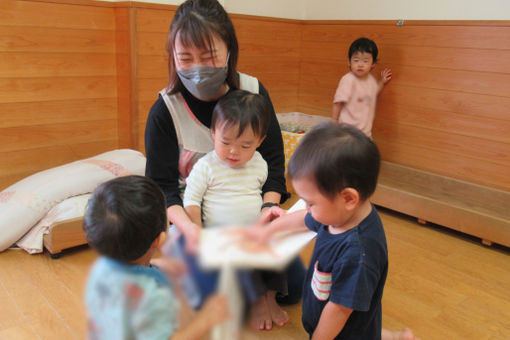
point(260, 316)
point(278, 315)
point(405, 334)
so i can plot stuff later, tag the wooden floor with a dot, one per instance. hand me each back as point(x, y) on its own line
point(442, 284)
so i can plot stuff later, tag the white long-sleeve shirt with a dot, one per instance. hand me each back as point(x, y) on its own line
point(228, 196)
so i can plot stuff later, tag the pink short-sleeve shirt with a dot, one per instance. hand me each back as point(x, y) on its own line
point(359, 96)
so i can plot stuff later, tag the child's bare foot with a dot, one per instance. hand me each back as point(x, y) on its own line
point(260, 317)
point(405, 334)
point(278, 315)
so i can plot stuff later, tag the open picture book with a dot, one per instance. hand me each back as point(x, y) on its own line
point(218, 248)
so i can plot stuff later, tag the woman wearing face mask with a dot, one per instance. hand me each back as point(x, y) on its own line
point(203, 53)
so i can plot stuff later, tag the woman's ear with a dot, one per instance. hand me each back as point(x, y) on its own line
point(350, 196)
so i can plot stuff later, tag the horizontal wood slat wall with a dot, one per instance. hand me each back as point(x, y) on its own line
point(58, 85)
point(79, 77)
point(447, 108)
point(152, 63)
point(270, 50)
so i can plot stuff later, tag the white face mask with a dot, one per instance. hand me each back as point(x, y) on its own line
point(203, 81)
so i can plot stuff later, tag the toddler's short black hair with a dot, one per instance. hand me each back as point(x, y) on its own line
point(336, 157)
point(364, 45)
point(124, 216)
point(244, 109)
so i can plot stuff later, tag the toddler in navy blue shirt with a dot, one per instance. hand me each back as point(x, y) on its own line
point(334, 170)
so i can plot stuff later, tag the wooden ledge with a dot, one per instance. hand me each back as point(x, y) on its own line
point(63, 235)
point(466, 207)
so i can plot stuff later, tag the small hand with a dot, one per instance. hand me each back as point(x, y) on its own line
point(191, 236)
point(385, 75)
point(170, 266)
point(215, 309)
point(269, 214)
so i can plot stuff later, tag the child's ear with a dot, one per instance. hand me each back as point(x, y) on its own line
point(159, 241)
point(350, 197)
point(261, 140)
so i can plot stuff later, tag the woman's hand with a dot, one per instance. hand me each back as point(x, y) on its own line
point(189, 227)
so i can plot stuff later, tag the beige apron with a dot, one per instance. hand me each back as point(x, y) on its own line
point(193, 137)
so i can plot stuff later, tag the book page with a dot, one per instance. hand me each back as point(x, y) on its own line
point(219, 246)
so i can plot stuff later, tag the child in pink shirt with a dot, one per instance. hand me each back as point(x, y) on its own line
point(356, 95)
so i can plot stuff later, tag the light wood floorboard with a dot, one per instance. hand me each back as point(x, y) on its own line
point(442, 284)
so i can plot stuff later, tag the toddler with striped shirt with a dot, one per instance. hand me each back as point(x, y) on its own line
point(224, 188)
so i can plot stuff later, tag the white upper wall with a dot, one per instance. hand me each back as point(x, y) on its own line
point(289, 9)
point(366, 10)
point(407, 9)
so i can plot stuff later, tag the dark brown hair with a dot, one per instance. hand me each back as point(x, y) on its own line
point(244, 109)
point(337, 156)
point(364, 45)
point(124, 216)
point(196, 22)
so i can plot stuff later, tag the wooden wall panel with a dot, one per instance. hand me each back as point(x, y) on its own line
point(36, 136)
point(125, 42)
point(472, 104)
point(155, 20)
point(454, 34)
point(55, 15)
point(452, 58)
point(58, 95)
point(30, 64)
point(444, 142)
point(15, 90)
point(21, 163)
point(152, 68)
point(42, 39)
point(446, 108)
point(318, 81)
point(151, 43)
point(464, 166)
point(494, 84)
point(271, 50)
point(56, 111)
point(441, 120)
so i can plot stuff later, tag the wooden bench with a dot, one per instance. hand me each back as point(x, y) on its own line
point(466, 207)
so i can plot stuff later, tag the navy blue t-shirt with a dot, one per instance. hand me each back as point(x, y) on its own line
point(348, 269)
